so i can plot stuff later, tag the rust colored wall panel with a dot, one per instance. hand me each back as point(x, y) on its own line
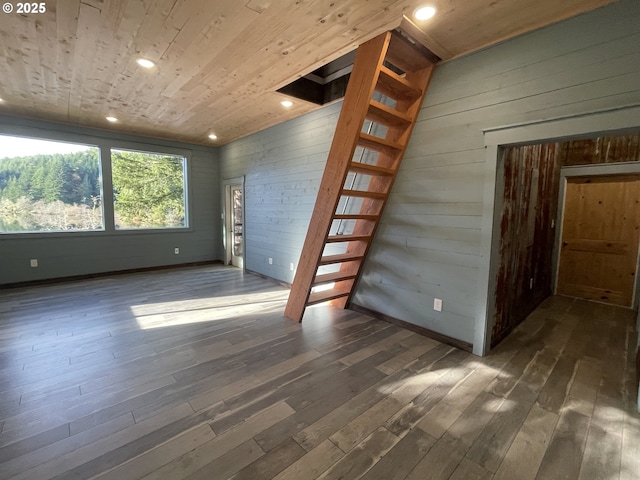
point(624, 148)
point(531, 179)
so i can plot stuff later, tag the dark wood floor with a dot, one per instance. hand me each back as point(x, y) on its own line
point(194, 373)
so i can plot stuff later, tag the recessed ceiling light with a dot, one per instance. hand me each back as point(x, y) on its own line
point(213, 136)
point(424, 13)
point(1, 100)
point(111, 119)
point(143, 62)
point(286, 103)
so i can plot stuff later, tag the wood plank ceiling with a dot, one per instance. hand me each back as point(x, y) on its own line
point(218, 64)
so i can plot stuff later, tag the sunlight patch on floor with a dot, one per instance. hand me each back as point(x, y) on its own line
point(199, 310)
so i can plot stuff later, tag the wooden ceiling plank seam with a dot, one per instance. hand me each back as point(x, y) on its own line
point(155, 34)
point(202, 56)
point(66, 19)
point(302, 36)
point(333, 34)
point(81, 79)
point(122, 58)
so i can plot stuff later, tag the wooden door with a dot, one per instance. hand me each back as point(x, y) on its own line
point(599, 248)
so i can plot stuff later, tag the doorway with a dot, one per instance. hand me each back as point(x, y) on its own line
point(234, 223)
point(599, 246)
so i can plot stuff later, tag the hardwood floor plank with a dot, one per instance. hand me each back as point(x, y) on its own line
point(361, 427)
point(584, 387)
point(138, 446)
point(445, 413)
point(16, 449)
point(272, 463)
point(492, 444)
point(59, 466)
point(362, 458)
point(468, 470)
point(451, 370)
point(154, 458)
point(32, 459)
point(563, 457)
point(322, 429)
point(222, 385)
point(230, 463)
point(313, 463)
point(402, 458)
point(524, 456)
point(474, 419)
point(328, 396)
point(630, 455)
point(441, 460)
point(196, 459)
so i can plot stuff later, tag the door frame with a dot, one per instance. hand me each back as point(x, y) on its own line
point(619, 120)
point(598, 170)
point(226, 216)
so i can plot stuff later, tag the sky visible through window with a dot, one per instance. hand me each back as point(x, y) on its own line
point(11, 147)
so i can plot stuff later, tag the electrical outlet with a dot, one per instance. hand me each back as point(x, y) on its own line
point(176, 251)
point(291, 267)
point(437, 304)
point(270, 261)
point(34, 262)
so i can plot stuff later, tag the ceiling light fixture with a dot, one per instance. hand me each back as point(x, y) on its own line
point(111, 119)
point(424, 13)
point(213, 136)
point(143, 62)
point(1, 100)
point(286, 103)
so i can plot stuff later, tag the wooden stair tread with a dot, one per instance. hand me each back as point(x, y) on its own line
point(355, 216)
point(332, 277)
point(367, 169)
point(363, 194)
point(388, 116)
point(348, 238)
point(339, 258)
point(394, 86)
point(326, 295)
point(378, 144)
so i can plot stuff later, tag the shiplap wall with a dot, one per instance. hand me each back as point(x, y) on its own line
point(428, 244)
point(68, 254)
point(282, 167)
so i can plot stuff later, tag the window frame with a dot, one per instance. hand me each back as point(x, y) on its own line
point(105, 141)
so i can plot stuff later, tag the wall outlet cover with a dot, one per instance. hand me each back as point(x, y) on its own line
point(176, 251)
point(33, 262)
point(437, 304)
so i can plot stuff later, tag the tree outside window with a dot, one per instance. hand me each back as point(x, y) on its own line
point(148, 190)
point(48, 186)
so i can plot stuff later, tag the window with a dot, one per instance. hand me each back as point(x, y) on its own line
point(48, 186)
point(148, 190)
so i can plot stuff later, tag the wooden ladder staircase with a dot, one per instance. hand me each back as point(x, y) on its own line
point(354, 192)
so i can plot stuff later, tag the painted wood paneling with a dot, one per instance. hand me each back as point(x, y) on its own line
point(428, 242)
point(282, 168)
point(63, 255)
